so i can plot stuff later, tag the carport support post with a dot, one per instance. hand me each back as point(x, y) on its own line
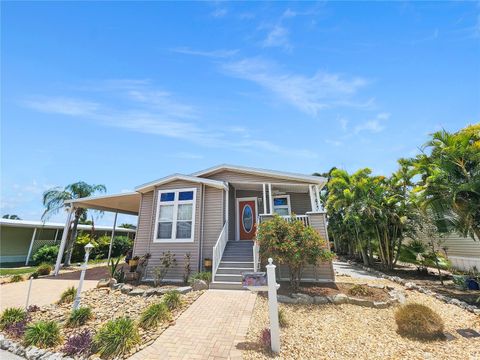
point(273, 307)
point(31, 245)
point(64, 240)
point(111, 239)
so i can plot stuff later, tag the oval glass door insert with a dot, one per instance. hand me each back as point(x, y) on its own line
point(247, 218)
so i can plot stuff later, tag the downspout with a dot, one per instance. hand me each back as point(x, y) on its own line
point(200, 242)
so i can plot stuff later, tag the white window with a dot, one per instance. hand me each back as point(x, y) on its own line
point(175, 220)
point(281, 205)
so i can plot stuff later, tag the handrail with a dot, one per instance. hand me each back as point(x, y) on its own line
point(218, 249)
point(303, 218)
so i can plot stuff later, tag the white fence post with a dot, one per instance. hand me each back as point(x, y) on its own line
point(273, 306)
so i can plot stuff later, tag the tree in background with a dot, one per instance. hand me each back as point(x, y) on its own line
point(53, 200)
point(127, 226)
point(11, 217)
point(449, 184)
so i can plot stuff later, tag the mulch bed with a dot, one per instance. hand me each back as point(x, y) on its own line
point(331, 289)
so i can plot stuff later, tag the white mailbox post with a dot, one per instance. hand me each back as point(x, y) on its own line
point(76, 303)
point(256, 282)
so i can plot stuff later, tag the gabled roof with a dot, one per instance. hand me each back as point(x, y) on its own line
point(271, 173)
point(150, 185)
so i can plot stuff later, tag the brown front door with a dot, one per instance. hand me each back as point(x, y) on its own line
point(247, 217)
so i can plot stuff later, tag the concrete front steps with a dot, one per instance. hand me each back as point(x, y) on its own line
point(237, 258)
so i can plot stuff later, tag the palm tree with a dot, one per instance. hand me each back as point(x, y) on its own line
point(53, 200)
point(11, 217)
point(127, 226)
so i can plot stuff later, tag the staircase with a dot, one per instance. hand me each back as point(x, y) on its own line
point(237, 258)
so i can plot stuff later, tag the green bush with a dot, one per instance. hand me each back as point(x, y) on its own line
point(46, 254)
point(282, 318)
point(121, 244)
point(360, 290)
point(153, 315)
point(172, 299)
point(116, 337)
point(419, 322)
point(79, 316)
point(44, 269)
point(42, 334)
point(12, 315)
point(68, 295)
point(16, 278)
point(202, 275)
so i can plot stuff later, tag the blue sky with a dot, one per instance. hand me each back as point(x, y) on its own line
point(124, 93)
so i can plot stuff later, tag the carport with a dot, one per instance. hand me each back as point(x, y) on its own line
point(125, 203)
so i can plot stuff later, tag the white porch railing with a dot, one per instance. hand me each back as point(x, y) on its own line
point(256, 256)
point(218, 249)
point(303, 218)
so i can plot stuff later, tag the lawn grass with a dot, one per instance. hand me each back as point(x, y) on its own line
point(17, 271)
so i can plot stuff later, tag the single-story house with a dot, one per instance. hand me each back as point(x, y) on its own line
point(211, 214)
point(19, 239)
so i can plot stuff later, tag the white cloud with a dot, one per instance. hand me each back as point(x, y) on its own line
point(343, 123)
point(221, 53)
point(218, 13)
point(145, 109)
point(374, 125)
point(334, 142)
point(309, 94)
point(277, 37)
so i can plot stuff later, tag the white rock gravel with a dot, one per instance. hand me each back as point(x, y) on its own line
point(351, 332)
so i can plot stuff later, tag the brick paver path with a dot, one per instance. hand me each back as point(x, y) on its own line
point(209, 329)
point(47, 290)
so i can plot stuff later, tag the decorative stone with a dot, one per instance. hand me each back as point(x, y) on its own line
point(286, 299)
point(320, 300)
point(118, 286)
point(112, 282)
point(199, 285)
point(33, 353)
point(410, 286)
point(126, 289)
point(340, 299)
point(303, 298)
point(150, 292)
point(381, 304)
point(137, 292)
point(184, 289)
point(103, 283)
point(360, 302)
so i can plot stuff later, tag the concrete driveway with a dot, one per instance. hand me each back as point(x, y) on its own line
point(47, 290)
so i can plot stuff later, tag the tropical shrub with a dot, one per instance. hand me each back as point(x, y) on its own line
point(79, 316)
point(46, 254)
point(16, 278)
point(153, 315)
point(418, 321)
point(42, 334)
point(202, 275)
point(360, 290)
point(17, 329)
point(79, 344)
point(172, 299)
point(116, 337)
point(12, 315)
point(120, 245)
point(167, 261)
point(44, 269)
point(68, 295)
point(293, 244)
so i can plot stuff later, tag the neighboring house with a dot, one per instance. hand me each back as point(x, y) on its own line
point(212, 214)
point(19, 239)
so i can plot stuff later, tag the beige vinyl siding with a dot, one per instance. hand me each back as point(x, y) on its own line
point(299, 202)
point(146, 231)
point(234, 176)
point(213, 219)
point(462, 246)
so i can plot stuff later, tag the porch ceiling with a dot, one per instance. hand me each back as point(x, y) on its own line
point(276, 187)
point(128, 203)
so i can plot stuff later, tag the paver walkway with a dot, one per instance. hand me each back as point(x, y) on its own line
point(46, 290)
point(209, 329)
point(344, 268)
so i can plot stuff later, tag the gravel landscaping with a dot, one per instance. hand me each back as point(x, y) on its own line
point(348, 331)
point(107, 304)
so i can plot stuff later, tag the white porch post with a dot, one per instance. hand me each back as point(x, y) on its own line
point(31, 245)
point(111, 238)
point(227, 194)
point(56, 235)
point(319, 203)
point(264, 199)
point(64, 241)
point(270, 198)
point(312, 198)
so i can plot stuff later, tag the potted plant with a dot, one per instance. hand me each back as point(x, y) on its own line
point(207, 264)
point(133, 263)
